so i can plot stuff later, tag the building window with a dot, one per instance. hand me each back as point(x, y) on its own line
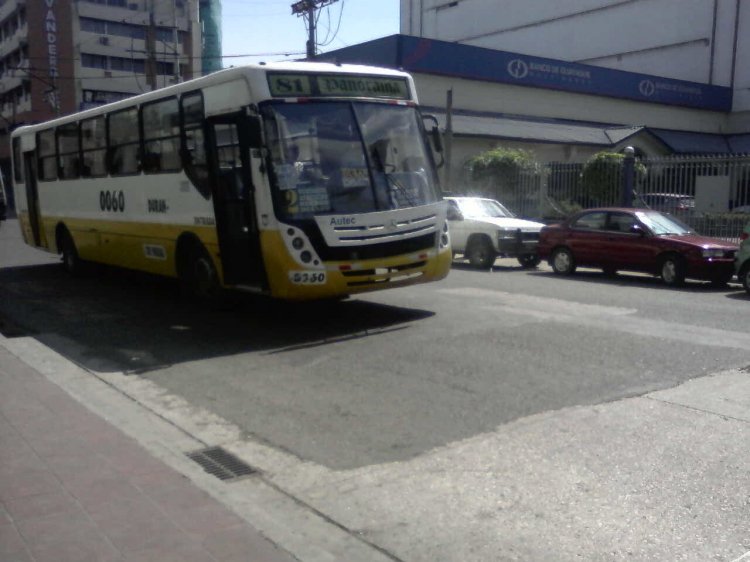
point(116, 3)
point(100, 97)
point(124, 142)
point(161, 136)
point(94, 147)
point(93, 61)
point(93, 26)
point(113, 63)
point(68, 151)
point(164, 68)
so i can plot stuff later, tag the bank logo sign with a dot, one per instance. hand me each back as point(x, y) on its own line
point(518, 69)
point(478, 63)
point(647, 88)
point(547, 71)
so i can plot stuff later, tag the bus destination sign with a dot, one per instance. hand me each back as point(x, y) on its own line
point(337, 85)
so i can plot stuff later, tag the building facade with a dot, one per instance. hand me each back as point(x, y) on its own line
point(570, 78)
point(699, 41)
point(62, 56)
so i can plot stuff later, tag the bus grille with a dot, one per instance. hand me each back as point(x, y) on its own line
point(371, 251)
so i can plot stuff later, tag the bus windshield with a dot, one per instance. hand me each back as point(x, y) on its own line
point(347, 157)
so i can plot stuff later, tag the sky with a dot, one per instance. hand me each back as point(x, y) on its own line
point(266, 30)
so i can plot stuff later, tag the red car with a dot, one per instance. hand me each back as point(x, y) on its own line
point(636, 240)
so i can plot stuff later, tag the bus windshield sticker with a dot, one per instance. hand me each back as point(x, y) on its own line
point(330, 85)
point(306, 200)
point(355, 177)
point(313, 200)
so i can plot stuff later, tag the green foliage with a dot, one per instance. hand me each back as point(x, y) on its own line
point(602, 177)
point(498, 170)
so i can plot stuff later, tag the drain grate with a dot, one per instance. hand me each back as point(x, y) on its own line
point(221, 463)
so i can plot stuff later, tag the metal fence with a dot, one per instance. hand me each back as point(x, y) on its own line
point(709, 193)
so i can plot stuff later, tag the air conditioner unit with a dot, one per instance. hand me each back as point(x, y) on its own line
point(103, 40)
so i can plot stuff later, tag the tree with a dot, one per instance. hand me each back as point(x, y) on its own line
point(602, 177)
point(498, 172)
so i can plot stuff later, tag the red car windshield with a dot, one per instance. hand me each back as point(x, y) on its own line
point(662, 225)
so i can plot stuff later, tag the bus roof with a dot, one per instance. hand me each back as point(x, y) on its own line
point(249, 72)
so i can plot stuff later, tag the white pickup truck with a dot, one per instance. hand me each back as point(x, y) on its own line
point(483, 230)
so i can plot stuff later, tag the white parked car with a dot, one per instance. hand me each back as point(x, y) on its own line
point(483, 230)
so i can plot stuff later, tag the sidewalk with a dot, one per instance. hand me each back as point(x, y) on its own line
point(74, 488)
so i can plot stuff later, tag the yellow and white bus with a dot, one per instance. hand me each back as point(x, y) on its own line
point(297, 180)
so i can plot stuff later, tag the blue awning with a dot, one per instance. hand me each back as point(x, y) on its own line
point(685, 142)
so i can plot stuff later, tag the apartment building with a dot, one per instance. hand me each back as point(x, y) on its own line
point(62, 56)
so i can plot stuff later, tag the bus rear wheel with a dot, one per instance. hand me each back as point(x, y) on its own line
point(72, 263)
point(198, 276)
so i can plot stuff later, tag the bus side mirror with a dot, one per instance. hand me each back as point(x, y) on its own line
point(437, 139)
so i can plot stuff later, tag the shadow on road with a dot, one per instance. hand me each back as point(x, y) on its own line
point(119, 320)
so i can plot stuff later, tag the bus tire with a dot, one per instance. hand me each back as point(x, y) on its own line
point(197, 273)
point(72, 263)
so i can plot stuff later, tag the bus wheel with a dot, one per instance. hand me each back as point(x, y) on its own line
point(70, 260)
point(198, 275)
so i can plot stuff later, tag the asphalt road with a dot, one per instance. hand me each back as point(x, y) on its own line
point(358, 390)
point(388, 376)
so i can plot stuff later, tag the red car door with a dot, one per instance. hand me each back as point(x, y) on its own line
point(587, 239)
point(627, 248)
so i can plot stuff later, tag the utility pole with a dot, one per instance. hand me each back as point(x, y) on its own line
point(306, 9)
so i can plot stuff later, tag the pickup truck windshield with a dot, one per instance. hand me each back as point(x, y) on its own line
point(483, 208)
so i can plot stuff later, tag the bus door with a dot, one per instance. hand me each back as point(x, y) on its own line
point(234, 202)
point(32, 196)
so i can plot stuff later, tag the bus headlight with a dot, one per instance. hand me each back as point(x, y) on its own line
point(445, 239)
point(300, 248)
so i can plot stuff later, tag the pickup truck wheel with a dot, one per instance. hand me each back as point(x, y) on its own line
point(529, 261)
point(481, 254)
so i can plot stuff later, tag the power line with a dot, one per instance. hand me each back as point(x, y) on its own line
point(307, 9)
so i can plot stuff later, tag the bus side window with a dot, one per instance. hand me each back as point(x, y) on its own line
point(123, 141)
point(161, 135)
point(193, 150)
point(47, 155)
point(93, 147)
point(68, 151)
